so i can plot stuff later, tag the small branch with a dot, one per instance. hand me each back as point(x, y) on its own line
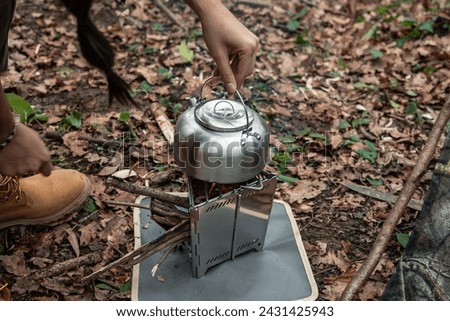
point(148, 191)
point(163, 121)
point(414, 204)
point(59, 268)
point(162, 259)
point(258, 3)
point(169, 13)
point(175, 235)
point(160, 212)
point(164, 177)
point(413, 179)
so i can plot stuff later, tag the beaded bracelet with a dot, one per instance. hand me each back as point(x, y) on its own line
point(10, 137)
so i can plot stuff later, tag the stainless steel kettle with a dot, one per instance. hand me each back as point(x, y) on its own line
point(221, 140)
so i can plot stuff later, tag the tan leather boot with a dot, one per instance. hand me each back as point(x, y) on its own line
point(41, 200)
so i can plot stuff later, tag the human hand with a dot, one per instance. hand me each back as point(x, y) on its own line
point(26, 153)
point(232, 46)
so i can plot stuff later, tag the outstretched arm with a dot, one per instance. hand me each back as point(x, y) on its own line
point(232, 46)
point(25, 153)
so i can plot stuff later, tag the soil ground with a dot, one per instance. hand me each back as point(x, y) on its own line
point(342, 100)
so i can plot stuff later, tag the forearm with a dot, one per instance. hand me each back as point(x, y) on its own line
point(6, 116)
point(205, 7)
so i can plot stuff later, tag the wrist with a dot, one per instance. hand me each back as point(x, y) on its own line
point(8, 132)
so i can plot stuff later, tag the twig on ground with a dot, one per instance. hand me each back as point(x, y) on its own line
point(414, 204)
point(163, 177)
point(413, 179)
point(168, 12)
point(148, 191)
point(163, 121)
point(175, 235)
point(59, 268)
point(258, 3)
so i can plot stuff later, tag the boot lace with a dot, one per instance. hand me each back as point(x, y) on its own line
point(10, 187)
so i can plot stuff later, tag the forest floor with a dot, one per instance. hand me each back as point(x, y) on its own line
point(349, 93)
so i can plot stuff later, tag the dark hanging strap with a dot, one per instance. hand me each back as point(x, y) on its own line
point(97, 50)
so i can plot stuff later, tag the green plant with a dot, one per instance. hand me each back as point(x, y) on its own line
point(414, 30)
point(165, 72)
point(90, 206)
point(281, 161)
point(294, 22)
point(370, 152)
point(124, 116)
point(186, 53)
point(26, 112)
point(75, 119)
point(402, 238)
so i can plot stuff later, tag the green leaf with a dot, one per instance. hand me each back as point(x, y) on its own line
point(411, 108)
point(149, 50)
point(287, 139)
point(409, 23)
point(393, 84)
point(74, 120)
point(292, 24)
point(376, 53)
point(429, 69)
point(158, 26)
point(343, 124)
point(359, 122)
point(125, 287)
point(401, 42)
point(374, 182)
point(185, 52)
point(411, 93)
point(371, 33)
point(361, 85)
point(394, 104)
point(164, 71)
point(368, 154)
point(302, 41)
point(302, 13)
point(132, 48)
point(402, 238)
point(287, 179)
point(303, 132)
point(124, 116)
point(427, 26)
point(20, 106)
point(164, 101)
point(145, 86)
point(176, 108)
point(371, 145)
point(342, 64)
point(39, 116)
point(65, 71)
point(90, 206)
point(318, 136)
point(104, 286)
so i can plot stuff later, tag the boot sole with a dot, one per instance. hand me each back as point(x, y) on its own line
point(59, 216)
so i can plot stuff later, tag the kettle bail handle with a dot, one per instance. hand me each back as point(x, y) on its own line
point(237, 93)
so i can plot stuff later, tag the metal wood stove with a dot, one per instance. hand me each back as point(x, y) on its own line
point(228, 224)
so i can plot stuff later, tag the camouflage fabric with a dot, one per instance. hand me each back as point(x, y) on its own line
point(423, 273)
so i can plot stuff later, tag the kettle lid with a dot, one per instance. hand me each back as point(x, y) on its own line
point(223, 115)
